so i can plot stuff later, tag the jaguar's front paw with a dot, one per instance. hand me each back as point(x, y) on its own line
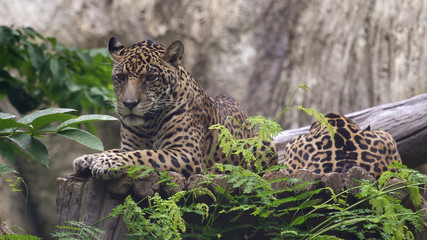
point(82, 164)
point(107, 167)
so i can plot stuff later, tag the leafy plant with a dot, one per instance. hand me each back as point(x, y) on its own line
point(386, 216)
point(36, 71)
point(21, 136)
point(19, 185)
point(161, 219)
point(77, 231)
point(16, 187)
point(266, 131)
point(319, 116)
point(14, 236)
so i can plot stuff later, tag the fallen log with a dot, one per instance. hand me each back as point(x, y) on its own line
point(88, 200)
point(405, 120)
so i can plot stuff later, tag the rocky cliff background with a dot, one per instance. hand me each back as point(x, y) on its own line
point(352, 54)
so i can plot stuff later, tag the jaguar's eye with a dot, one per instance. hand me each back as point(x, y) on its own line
point(120, 76)
point(151, 77)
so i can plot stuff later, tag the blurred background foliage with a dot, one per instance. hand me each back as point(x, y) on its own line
point(37, 72)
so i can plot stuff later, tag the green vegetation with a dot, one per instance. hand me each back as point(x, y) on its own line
point(20, 136)
point(248, 204)
point(36, 73)
point(16, 186)
point(77, 230)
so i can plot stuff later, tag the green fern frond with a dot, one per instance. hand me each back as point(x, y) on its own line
point(77, 231)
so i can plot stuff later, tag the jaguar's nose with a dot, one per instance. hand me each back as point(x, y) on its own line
point(130, 104)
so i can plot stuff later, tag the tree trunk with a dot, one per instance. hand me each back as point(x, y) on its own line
point(88, 200)
point(406, 121)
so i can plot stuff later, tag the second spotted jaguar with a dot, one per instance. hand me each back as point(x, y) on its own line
point(351, 146)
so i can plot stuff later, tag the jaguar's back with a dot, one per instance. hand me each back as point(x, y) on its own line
point(372, 150)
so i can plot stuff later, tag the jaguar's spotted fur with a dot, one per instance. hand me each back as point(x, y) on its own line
point(371, 150)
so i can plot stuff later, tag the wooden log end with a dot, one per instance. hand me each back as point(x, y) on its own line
point(147, 185)
point(282, 173)
point(195, 180)
point(353, 177)
point(176, 184)
point(401, 194)
point(121, 186)
point(307, 176)
point(335, 181)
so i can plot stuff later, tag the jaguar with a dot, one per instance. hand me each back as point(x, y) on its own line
point(351, 146)
point(165, 116)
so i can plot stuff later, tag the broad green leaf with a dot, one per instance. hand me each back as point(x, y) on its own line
point(92, 129)
point(84, 57)
point(98, 52)
point(37, 56)
point(31, 32)
point(82, 137)
point(6, 150)
point(44, 129)
point(5, 35)
point(52, 40)
point(32, 146)
point(47, 119)
point(41, 113)
point(86, 119)
point(57, 68)
point(6, 169)
point(10, 123)
point(45, 73)
point(6, 115)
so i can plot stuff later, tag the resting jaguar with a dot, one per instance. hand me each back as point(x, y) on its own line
point(371, 150)
point(164, 115)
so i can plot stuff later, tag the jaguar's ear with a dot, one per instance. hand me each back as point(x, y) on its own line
point(114, 48)
point(174, 53)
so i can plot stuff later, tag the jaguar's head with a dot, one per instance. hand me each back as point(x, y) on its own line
point(144, 77)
